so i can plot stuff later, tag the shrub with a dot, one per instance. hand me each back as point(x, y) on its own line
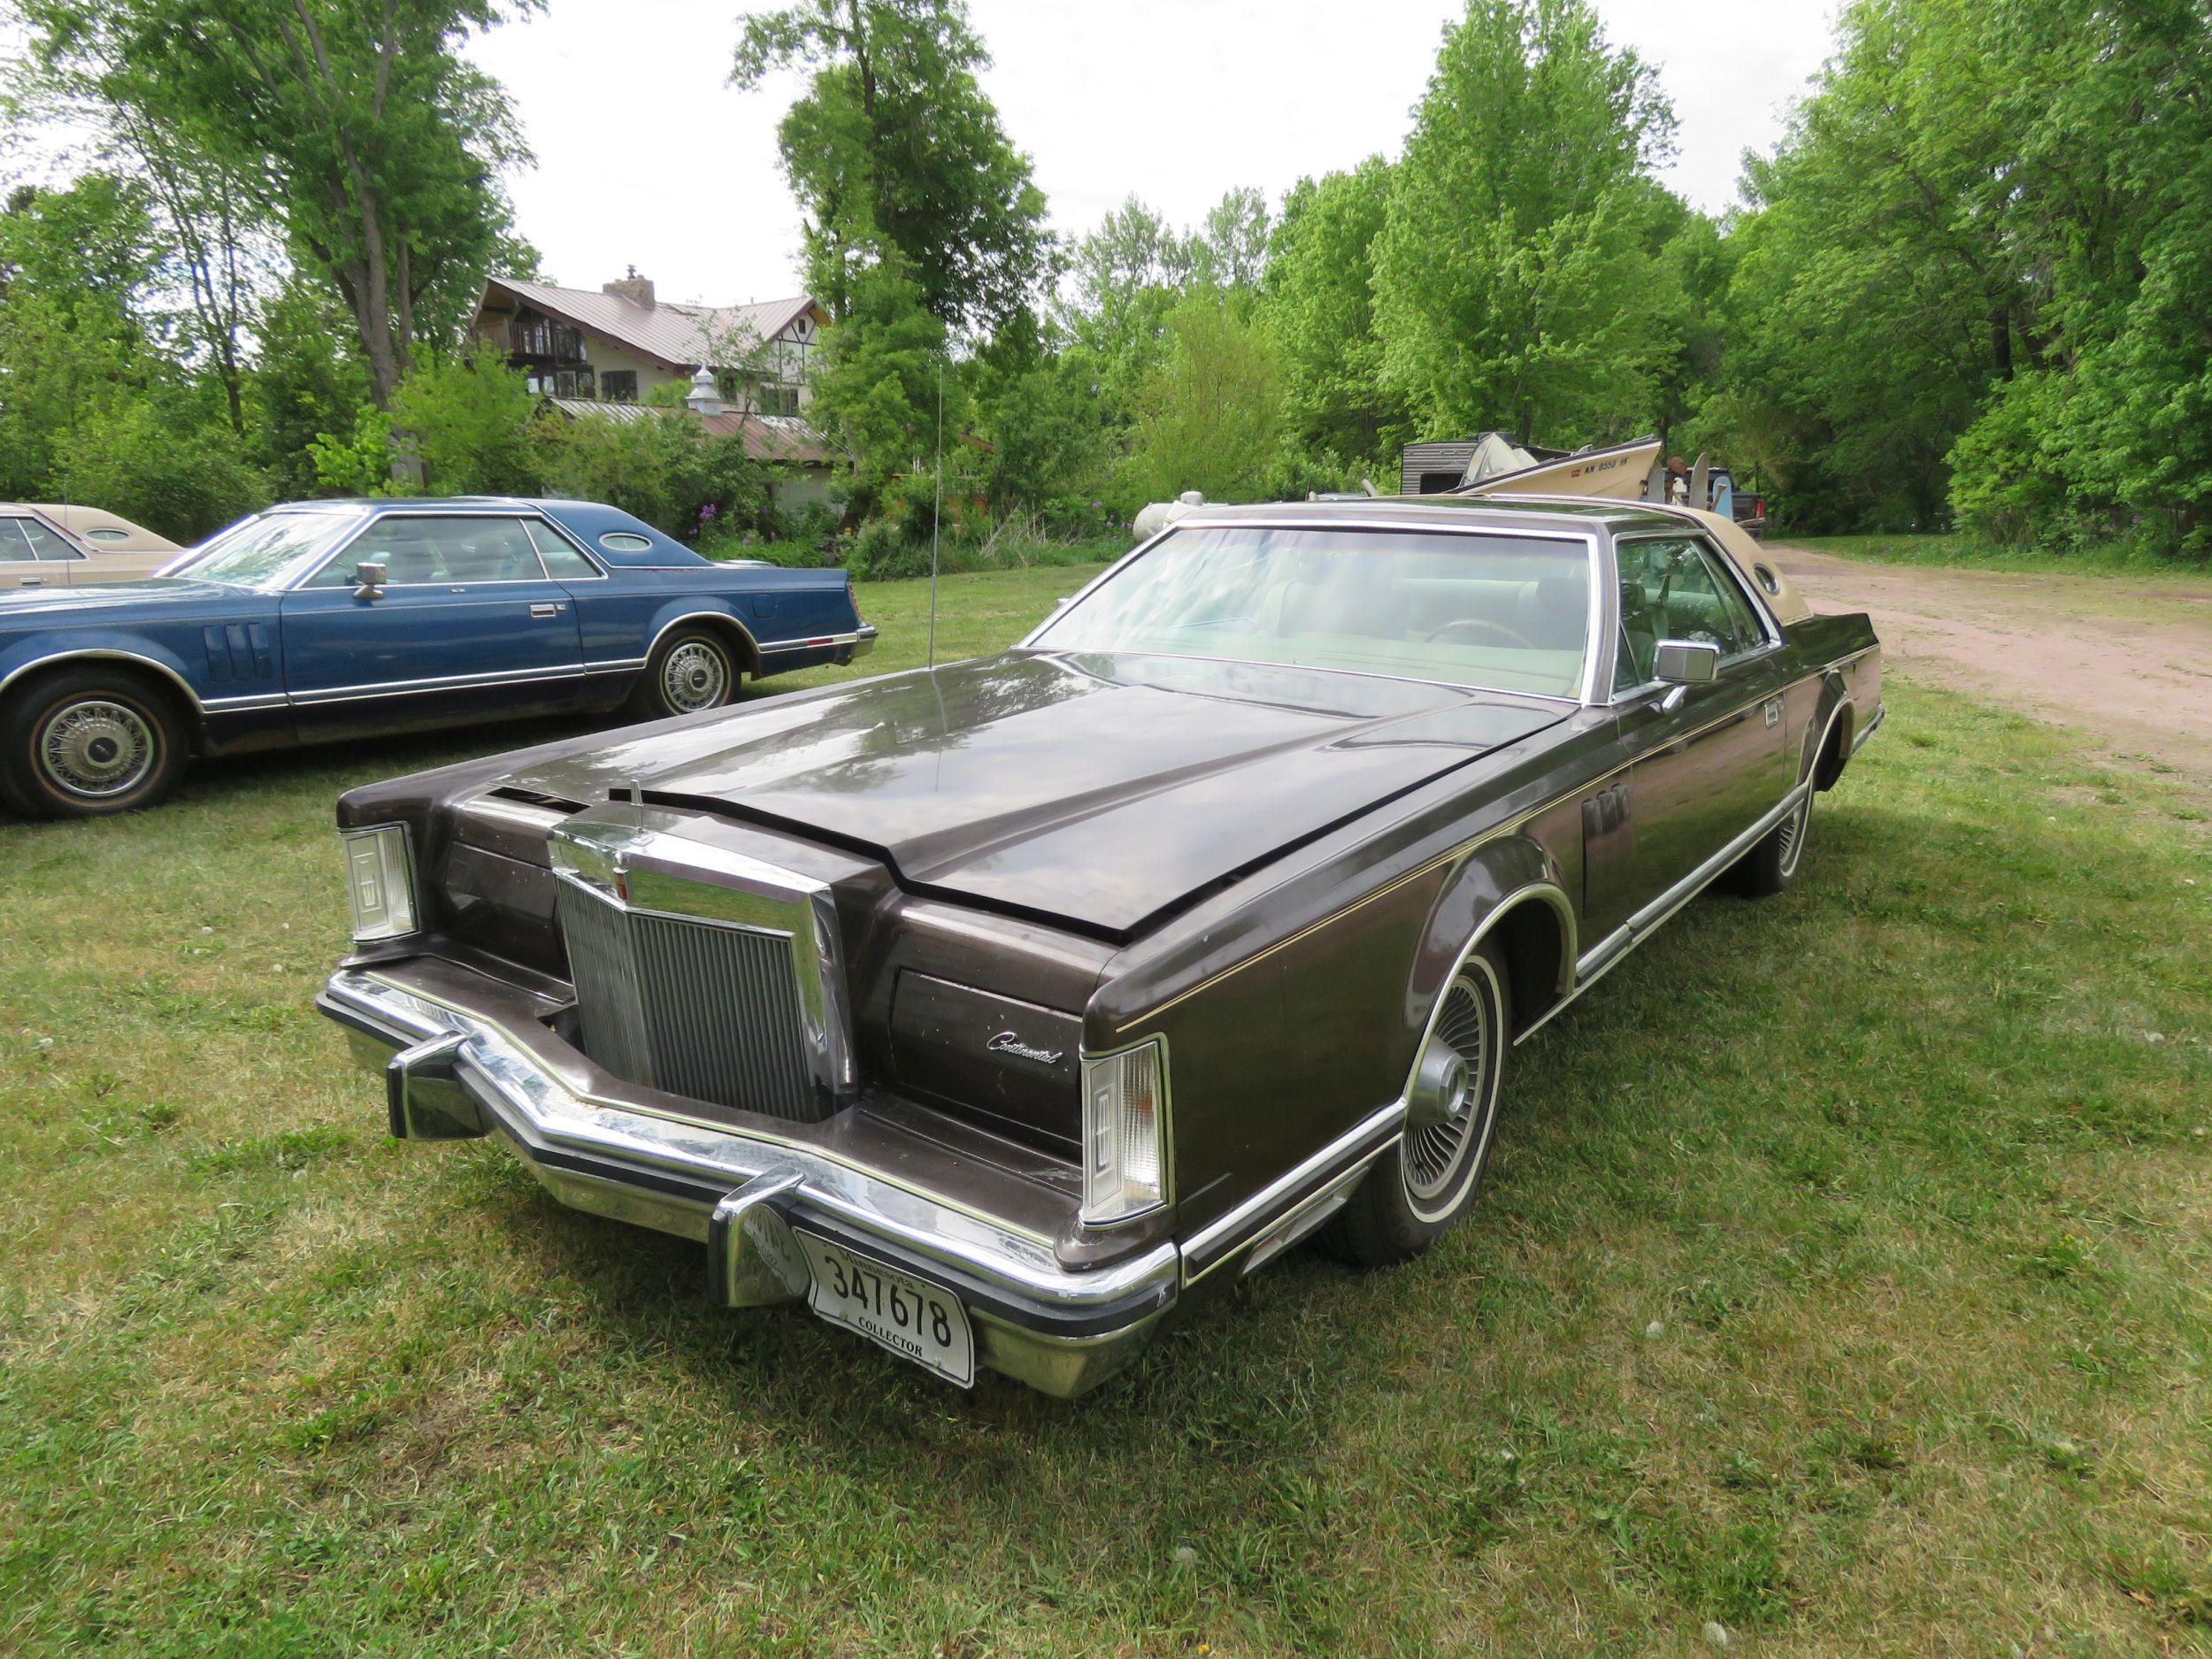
point(359, 463)
point(471, 417)
point(662, 467)
point(181, 479)
point(2007, 477)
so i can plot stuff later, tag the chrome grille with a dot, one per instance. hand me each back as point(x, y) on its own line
point(705, 1010)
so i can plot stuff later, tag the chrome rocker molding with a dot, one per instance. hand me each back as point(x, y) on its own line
point(450, 1074)
point(1268, 1220)
point(861, 641)
point(1609, 951)
point(1607, 954)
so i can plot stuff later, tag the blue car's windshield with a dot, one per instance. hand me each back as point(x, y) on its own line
point(1508, 612)
point(267, 552)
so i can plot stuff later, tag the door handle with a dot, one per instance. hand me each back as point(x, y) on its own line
point(34, 581)
point(545, 611)
point(1773, 712)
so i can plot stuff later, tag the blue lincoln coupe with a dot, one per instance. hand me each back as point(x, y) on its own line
point(333, 619)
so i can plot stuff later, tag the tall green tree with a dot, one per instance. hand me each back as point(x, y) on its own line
point(1514, 282)
point(894, 149)
point(1123, 278)
point(1977, 279)
point(359, 130)
point(94, 401)
point(1209, 416)
point(1231, 247)
point(1873, 296)
point(877, 386)
point(1320, 312)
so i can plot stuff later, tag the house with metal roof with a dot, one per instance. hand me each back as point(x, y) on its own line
point(618, 344)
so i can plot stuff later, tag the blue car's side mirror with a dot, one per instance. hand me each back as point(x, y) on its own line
point(368, 579)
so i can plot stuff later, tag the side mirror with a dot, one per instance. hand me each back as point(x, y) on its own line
point(368, 579)
point(1681, 663)
point(1686, 662)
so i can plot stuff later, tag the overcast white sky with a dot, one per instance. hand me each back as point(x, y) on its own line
point(646, 158)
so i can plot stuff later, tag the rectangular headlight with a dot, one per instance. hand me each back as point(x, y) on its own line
point(380, 882)
point(1124, 1135)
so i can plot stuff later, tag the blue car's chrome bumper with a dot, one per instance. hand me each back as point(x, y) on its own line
point(453, 1072)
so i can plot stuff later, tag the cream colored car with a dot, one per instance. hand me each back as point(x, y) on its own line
point(43, 545)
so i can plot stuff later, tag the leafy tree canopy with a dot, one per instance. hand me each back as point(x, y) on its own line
point(1514, 283)
point(359, 132)
point(895, 149)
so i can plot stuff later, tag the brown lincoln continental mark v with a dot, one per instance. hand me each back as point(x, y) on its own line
point(999, 1012)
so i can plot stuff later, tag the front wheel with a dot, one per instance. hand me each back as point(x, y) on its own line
point(88, 742)
point(1418, 1188)
point(693, 670)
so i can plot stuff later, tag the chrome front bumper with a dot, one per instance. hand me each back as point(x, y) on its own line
point(451, 1073)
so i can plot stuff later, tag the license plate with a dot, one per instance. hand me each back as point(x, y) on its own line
point(913, 1318)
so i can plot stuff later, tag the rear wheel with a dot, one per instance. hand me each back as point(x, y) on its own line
point(1428, 1181)
point(1772, 865)
point(694, 670)
point(88, 742)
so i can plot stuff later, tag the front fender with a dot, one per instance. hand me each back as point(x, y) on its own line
point(1493, 883)
point(49, 647)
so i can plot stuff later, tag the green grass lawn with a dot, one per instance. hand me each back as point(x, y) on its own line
point(1960, 552)
point(1845, 1277)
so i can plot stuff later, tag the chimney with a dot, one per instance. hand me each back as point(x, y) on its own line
point(704, 398)
point(636, 289)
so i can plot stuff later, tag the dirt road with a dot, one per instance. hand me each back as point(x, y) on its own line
point(2128, 663)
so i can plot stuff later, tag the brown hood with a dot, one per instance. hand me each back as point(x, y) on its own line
point(1100, 792)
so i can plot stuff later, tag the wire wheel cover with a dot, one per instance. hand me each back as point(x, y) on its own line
point(695, 676)
point(98, 748)
point(1437, 1155)
point(1791, 846)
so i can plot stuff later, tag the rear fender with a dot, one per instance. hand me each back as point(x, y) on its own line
point(1834, 719)
point(716, 614)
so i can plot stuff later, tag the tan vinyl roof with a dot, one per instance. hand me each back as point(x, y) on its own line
point(678, 335)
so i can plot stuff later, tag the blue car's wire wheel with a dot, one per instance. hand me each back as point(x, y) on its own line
point(96, 750)
point(695, 674)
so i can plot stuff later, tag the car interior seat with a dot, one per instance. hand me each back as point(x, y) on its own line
point(1640, 631)
point(408, 557)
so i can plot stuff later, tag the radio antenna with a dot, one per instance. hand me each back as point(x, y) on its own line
point(936, 513)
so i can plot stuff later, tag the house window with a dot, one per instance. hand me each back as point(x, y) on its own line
point(537, 337)
point(561, 382)
point(619, 386)
point(779, 400)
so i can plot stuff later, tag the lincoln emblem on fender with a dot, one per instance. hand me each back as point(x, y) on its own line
point(1007, 1042)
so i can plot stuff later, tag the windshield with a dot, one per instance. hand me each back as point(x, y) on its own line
point(267, 552)
point(1506, 613)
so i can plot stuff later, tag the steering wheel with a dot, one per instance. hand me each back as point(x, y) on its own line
point(1486, 626)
